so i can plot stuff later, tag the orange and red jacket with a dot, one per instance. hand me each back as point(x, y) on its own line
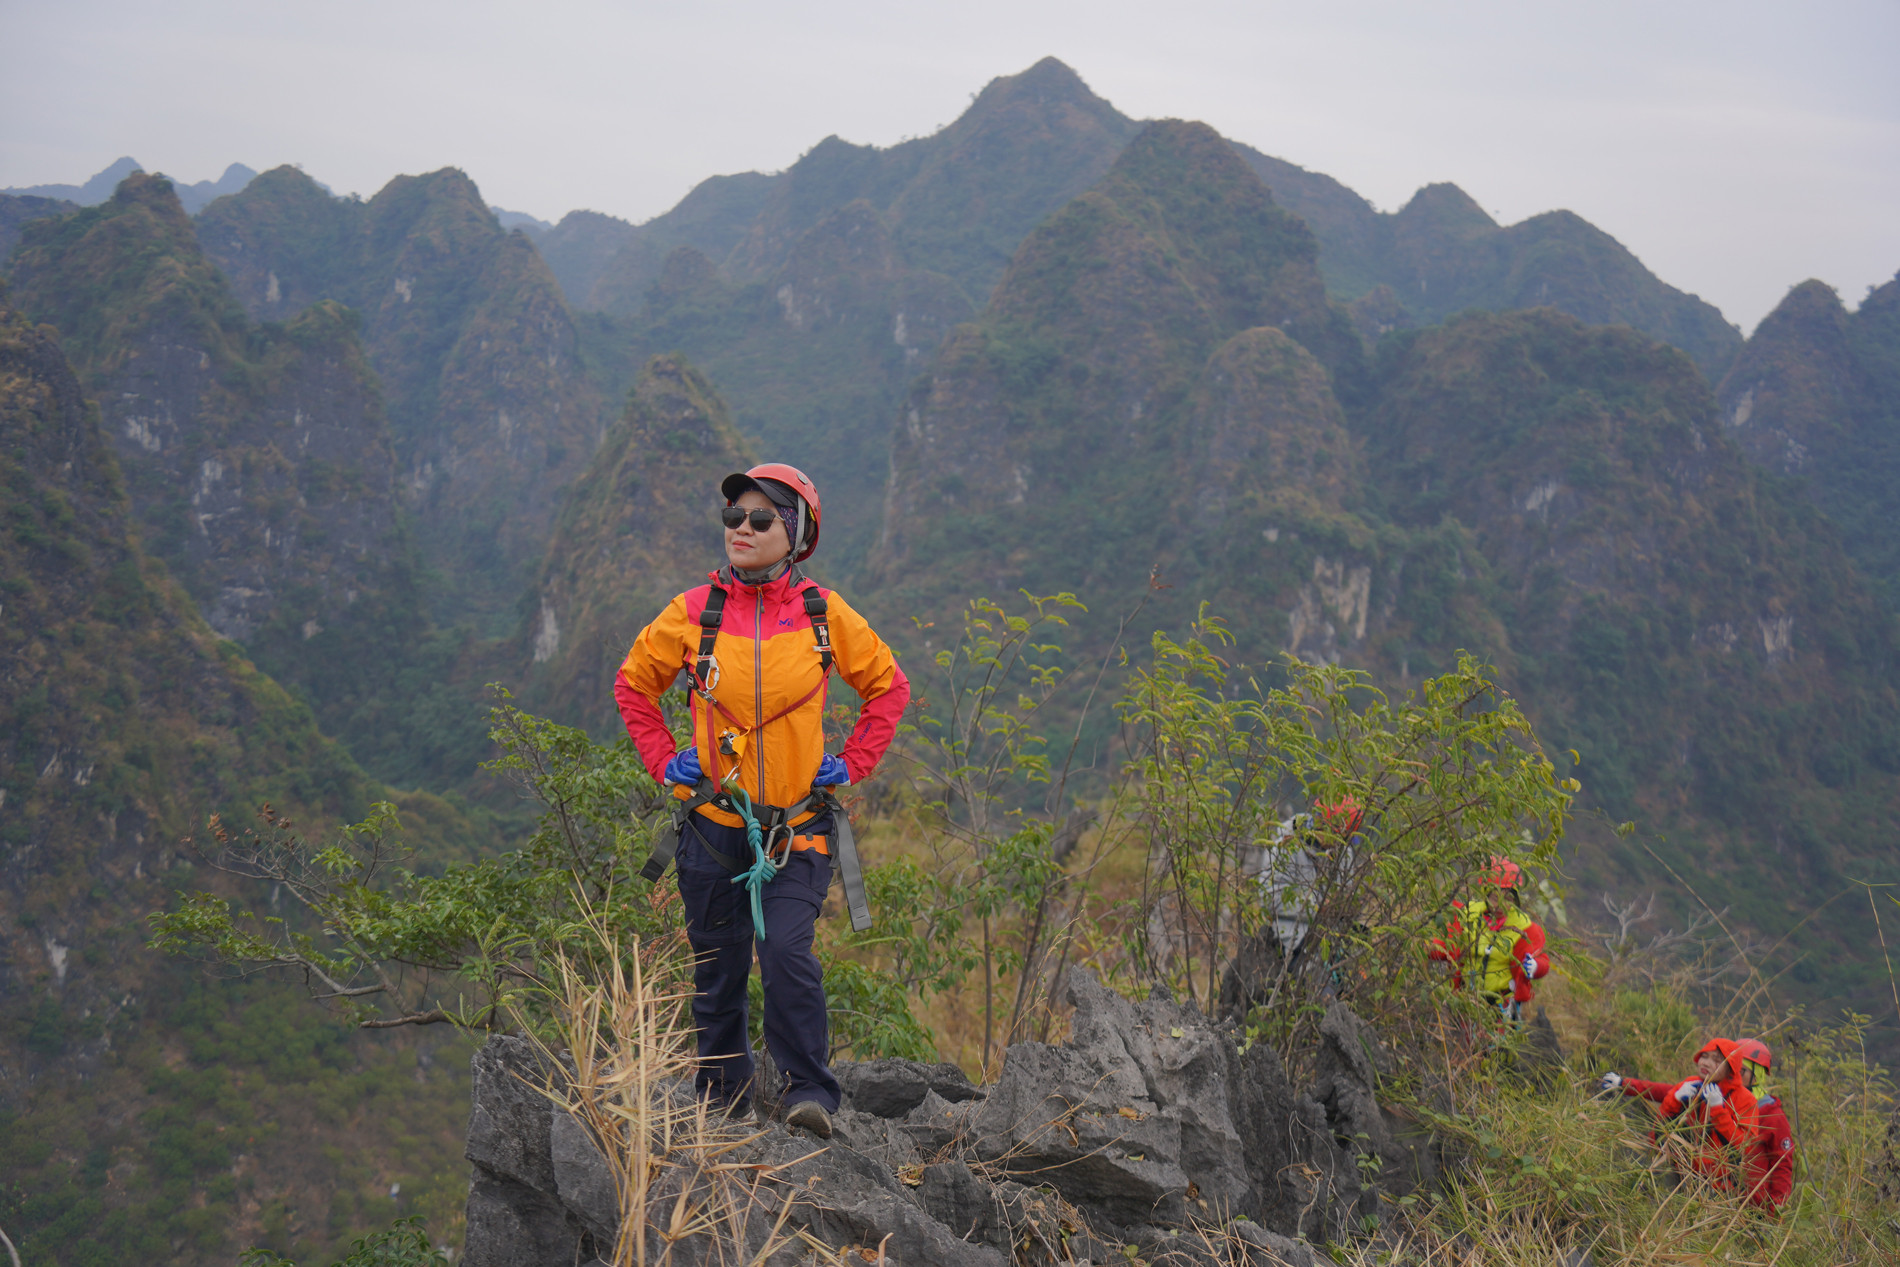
point(1727, 1129)
point(1493, 946)
point(768, 703)
point(1770, 1157)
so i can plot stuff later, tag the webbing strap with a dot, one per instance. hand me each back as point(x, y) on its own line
point(706, 792)
point(849, 870)
point(706, 665)
point(815, 608)
point(844, 844)
point(666, 845)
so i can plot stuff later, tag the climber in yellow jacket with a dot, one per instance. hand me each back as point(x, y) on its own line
point(758, 830)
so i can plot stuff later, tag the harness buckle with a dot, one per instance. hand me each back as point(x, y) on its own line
point(705, 676)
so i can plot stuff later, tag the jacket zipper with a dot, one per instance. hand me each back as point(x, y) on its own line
point(758, 684)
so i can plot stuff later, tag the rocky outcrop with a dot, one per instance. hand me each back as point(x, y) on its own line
point(1149, 1131)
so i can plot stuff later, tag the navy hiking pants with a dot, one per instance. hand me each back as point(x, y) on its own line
point(719, 928)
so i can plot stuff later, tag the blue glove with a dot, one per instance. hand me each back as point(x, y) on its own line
point(832, 772)
point(684, 767)
point(1689, 1090)
point(1530, 965)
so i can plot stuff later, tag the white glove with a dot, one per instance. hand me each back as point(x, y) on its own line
point(1688, 1090)
point(1530, 965)
point(1712, 1093)
point(1610, 1082)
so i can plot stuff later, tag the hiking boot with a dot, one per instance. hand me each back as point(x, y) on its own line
point(811, 1116)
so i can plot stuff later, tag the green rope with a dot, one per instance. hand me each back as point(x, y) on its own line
point(763, 870)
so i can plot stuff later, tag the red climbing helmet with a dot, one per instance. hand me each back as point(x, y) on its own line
point(1754, 1051)
point(1504, 873)
point(784, 486)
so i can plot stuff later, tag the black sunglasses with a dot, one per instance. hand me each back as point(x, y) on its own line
point(733, 516)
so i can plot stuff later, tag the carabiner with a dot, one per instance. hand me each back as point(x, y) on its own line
point(782, 856)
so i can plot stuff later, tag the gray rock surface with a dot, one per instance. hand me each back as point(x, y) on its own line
point(515, 1212)
point(1145, 1133)
point(1275, 1250)
point(582, 1179)
point(892, 1088)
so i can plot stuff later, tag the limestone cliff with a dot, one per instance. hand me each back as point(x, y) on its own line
point(640, 526)
point(258, 458)
point(1142, 393)
point(147, 1112)
point(491, 409)
point(1815, 396)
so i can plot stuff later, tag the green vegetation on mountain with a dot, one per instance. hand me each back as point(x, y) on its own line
point(1127, 355)
point(17, 210)
point(1697, 634)
point(491, 410)
point(259, 463)
point(149, 1115)
point(1815, 396)
point(638, 527)
point(605, 264)
point(1441, 254)
point(1558, 498)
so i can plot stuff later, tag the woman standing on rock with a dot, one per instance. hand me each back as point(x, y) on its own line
point(757, 828)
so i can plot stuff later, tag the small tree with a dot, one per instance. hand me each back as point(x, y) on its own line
point(392, 945)
point(1446, 778)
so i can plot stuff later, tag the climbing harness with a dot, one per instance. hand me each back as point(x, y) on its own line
point(768, 827)
point(773, 825)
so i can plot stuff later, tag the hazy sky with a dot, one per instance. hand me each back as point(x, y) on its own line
point(1737, 147)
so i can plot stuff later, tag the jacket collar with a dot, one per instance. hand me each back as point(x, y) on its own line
point(779, 588)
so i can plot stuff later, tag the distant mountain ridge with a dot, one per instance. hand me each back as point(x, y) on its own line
point(1438, 255)
point(812, 296)
point(194, 197)
point(1441, 254)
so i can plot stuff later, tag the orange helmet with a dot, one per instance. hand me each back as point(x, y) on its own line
point(784, 486)
point(1504, 873)
point(1754, 1051)
point(1343, 816)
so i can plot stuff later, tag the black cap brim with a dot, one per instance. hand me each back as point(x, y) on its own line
point(739, 482)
